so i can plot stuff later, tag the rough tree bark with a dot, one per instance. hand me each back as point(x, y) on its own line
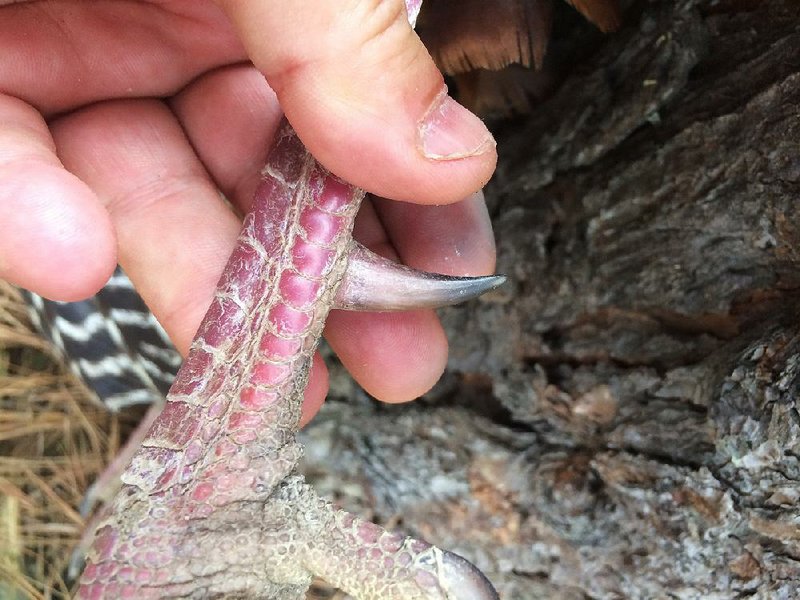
point(621, 421)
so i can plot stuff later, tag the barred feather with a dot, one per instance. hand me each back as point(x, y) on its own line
point(112, 342)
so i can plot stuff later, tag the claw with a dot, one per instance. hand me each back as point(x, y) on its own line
point(376, 283)
point(462, 581)
point(371, 563)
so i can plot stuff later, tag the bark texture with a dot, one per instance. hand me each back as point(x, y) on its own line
point(621, 420)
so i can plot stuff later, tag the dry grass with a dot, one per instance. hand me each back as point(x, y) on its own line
point(53, 442)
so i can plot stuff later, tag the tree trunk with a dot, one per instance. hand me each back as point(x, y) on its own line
point(621, 420)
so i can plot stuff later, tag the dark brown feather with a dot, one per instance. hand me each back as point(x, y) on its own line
point(470, 39)
point(463, 35)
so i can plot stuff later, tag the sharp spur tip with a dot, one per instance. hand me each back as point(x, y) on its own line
point(375, 283)
point(460, 289)
point(490, 282)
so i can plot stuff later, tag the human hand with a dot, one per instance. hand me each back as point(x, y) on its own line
point(95, 171)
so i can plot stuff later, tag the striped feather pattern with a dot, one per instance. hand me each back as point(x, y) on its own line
point(112, 342)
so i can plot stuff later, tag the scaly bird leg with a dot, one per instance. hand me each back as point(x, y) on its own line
point(212, 505)
point(370, 283)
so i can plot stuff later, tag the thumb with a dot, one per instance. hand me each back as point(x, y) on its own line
point(365, 97)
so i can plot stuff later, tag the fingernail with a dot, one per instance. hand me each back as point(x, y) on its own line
point(449, 132)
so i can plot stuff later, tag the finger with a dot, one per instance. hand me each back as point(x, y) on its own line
point(230, 116)
point(365, 97)
point(453, 239)
point(316, 390)
point(395, 357)
point(399, 356)
point(57, 239)
point(60, 55)
point(175, 233)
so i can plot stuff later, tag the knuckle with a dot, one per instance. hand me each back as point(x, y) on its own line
point(385, 37)
point(365, 50)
